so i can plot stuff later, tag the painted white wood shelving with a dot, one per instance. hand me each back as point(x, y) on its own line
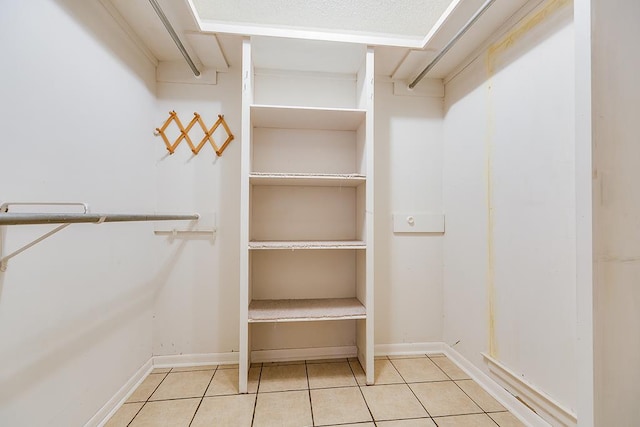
point(306, 255)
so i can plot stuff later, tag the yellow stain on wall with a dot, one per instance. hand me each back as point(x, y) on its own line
point(548, 9)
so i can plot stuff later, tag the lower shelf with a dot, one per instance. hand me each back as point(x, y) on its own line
point(305, 310)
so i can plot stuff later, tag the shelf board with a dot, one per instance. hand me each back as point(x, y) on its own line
point(304, 244)
point(305, 310)
point(305, 179)
point(289, 117)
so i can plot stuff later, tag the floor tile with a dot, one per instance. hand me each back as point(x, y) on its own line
point(283, 378)
point(408, 356)
point(506, 419)
point(283, 363)
point(451, 369)
point(436, 355)
point(483, 399)
point(229, 366)
point(444, 398)
point(323, 375)
point(169, 413)
point(181, 385)
point(124, 415)
point(146, 388)
point(339, 360)
point(419, 370)
point(477, 420)
point(338, 406)
point(386, 373)
point(234, 410)
point(285, 409)
point(160, 370)
point(392, 402)
point(225, 381)
point(355, 425)
point(195, 368)
point(358, 372)
point(421, 422)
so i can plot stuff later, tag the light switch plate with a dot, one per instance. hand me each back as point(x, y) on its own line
point(418, 223)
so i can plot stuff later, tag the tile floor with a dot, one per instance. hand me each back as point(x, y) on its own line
point(416, 391)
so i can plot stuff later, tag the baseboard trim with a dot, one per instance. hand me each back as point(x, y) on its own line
point(182, 360)
point(506, 399)
point(102, 416)
point(287, 355)
point(547, 407)
point(408, 349)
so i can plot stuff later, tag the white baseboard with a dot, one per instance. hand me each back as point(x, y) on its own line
point(102, 416)
point(506, 399)
point(542, 403)
point(181, 360)
point(408, 349)
point(258, 356)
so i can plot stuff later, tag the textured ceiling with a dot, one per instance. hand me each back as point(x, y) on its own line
point(409, 18)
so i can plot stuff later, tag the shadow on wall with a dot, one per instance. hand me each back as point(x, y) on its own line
point(82, 333)
point(98, 23)
point(528, 33)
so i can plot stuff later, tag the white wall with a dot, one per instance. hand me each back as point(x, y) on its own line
point(616, 95)
point(408, 179)
point(509, 248)
point(76, 114)
point(197, 306)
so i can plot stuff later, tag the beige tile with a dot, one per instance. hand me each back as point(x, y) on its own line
point(160, 370)
point(323, 375)
point(195, 368)
point(392, 402)
point(338, 360)
point(506, 419)
point(169, 413)
point(284, 363)
point(444, 398)
point(408, 356)
point(338, 406)
point(256, 365)
point(480, 396)
point(451, 369)
point(229, 366)
point(358, 372)
point(146, 388)
point(283, 378)
point(253, 380)
point(357, 425)
point(420, 422)
point(285, 409)
point(124, 415)
point(225, 381)
point(234, 410)
point(386, 373)
point(418, 370)
point(181, 385)
point(436, 355)
point(477, 420)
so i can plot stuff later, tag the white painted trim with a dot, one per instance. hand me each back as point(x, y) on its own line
point(289, 354)
point(548, 408)
point(102, 416)
point(408, 349)
point(183, 360)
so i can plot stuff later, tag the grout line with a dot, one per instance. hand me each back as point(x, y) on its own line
point(306, 372)
point(203, 393)
point(255, 402)
point(360, 388)
point(147, 401)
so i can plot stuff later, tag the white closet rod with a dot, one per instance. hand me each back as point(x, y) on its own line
point(95, 218)
point(174, 36)
point(452, 42)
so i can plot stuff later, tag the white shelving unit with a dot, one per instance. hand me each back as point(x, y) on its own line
point(306, 257)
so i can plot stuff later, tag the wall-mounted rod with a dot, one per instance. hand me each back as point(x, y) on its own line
point(452, 42)
point(174, 36)
point(95, 218)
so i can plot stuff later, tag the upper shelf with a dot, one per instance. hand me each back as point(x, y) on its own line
point(287, 117)
point(307, 179)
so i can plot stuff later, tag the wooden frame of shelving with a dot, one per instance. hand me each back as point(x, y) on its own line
point(283, 205)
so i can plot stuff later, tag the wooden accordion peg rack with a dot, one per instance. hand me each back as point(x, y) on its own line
point(184, 133)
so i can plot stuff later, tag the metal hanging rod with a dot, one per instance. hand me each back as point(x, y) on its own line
point(175, 37)
point(452, 42)
point(72, 218)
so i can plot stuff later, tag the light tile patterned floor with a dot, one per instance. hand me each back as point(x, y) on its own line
point(416, 391)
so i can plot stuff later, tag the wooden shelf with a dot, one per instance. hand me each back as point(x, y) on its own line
point(305, 310)
point(298, 244)
point(289, 117)
point(303, 179)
